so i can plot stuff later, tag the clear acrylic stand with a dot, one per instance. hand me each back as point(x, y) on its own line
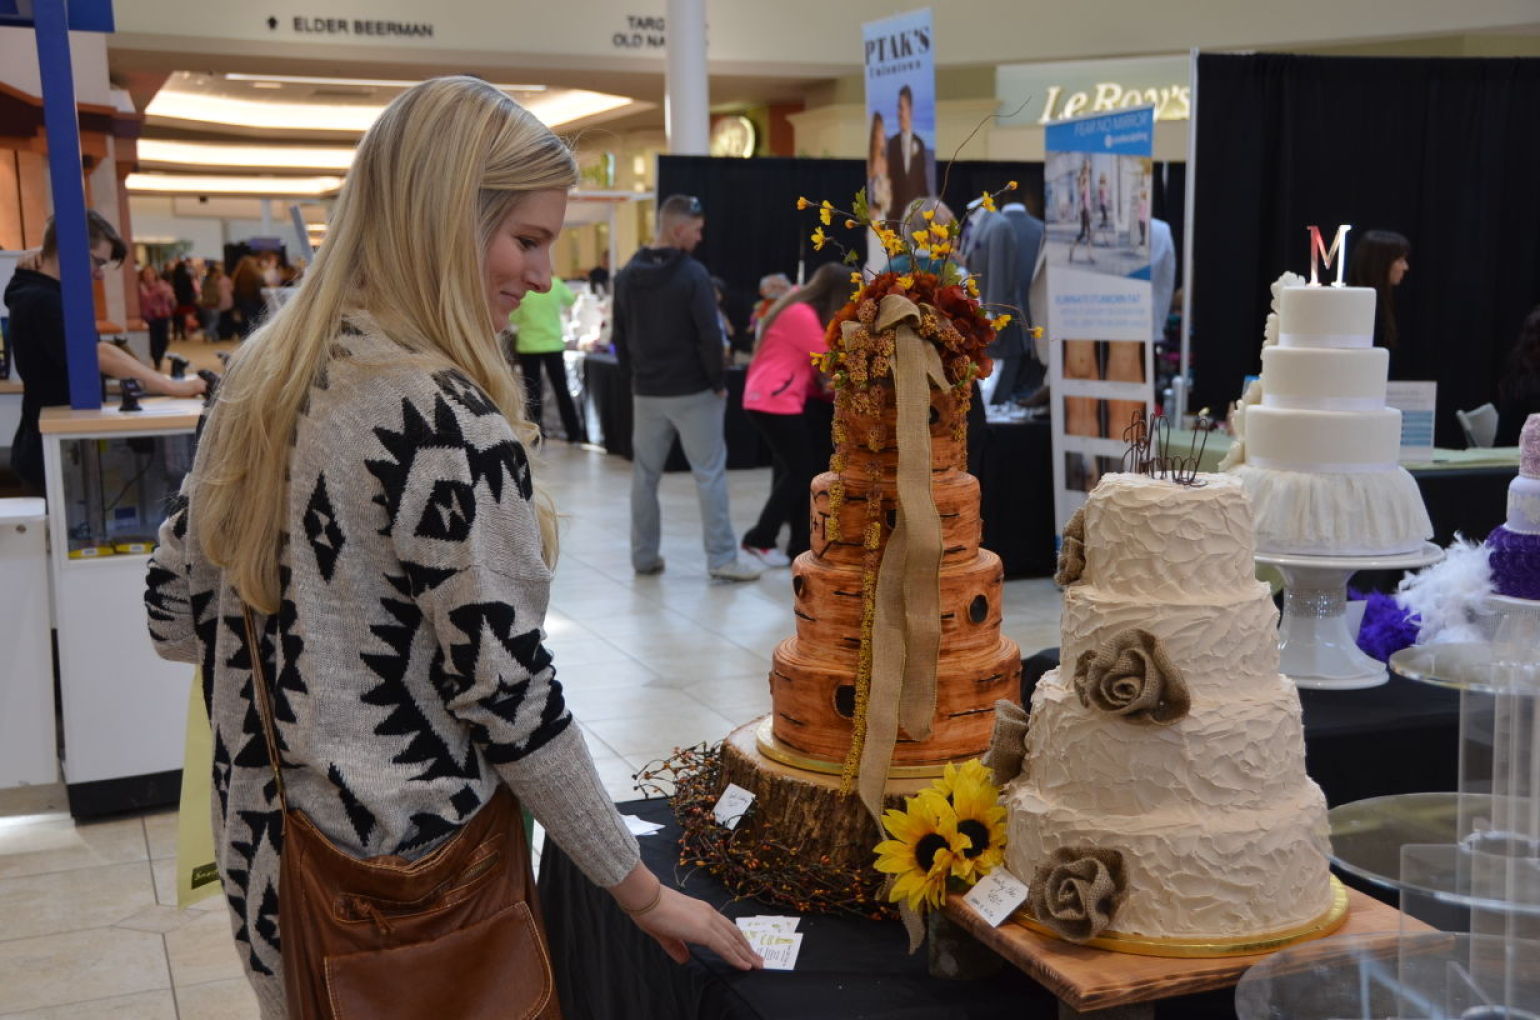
point(1466, 861)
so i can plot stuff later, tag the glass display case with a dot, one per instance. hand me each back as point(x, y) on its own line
point(110, 476)
point(116, 490)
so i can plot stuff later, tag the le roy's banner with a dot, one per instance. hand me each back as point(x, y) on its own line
point(900, 118)
point(1102, 355)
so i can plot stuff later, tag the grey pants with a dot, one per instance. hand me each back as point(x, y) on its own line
point(697, 420)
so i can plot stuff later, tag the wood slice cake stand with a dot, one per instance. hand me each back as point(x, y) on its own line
point(804, 806)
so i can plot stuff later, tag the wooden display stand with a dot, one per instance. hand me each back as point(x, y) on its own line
point(1119, 986)
point(802, 806)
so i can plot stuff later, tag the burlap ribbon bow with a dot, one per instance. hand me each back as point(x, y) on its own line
point(906, 630)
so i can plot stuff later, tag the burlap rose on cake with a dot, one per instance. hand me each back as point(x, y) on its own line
point(1131, 676)
point(1072, 551)
point(1078, 892)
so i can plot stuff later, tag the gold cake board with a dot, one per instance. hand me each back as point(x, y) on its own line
point(775, 750)
point(1085, 978)
point(1332, 918)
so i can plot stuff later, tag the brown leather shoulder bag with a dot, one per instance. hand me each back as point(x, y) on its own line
point(456, 933)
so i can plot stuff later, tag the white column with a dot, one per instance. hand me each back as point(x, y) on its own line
point(686, 105)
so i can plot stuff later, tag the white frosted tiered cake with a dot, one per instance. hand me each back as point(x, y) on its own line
point(1319, 450)
point(1167, 742)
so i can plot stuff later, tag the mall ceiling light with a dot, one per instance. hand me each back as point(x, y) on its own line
point(305, 79)
point(193, 184)
point(269, 157)
point(553, 109)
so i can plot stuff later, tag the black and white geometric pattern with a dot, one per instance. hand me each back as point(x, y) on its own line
point(320, 520)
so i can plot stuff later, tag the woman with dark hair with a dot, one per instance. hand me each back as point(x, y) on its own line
point(185, 288)
point(1518, 394)
point(786, 402)
point(1380, 260)
point(246, 284)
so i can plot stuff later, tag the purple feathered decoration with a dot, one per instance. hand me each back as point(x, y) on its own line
point(1387, 627)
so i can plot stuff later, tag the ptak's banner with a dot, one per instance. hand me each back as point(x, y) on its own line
point(1097, 178)
point(900, 117)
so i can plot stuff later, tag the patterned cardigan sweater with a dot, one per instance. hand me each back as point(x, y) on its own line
point(406, 657)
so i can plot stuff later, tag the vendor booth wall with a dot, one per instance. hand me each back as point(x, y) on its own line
point(1443, 151)
point(753, 227)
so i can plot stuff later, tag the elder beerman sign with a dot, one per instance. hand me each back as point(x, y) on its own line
point(363, 28)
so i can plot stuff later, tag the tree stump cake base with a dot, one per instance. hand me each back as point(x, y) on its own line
point(803, 808)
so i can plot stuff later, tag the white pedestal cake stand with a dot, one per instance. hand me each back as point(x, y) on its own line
point(1316, 647)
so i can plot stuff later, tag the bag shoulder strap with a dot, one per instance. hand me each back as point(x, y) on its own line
point(264, 703)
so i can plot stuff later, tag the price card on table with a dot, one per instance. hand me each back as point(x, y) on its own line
point(735, 800)
point(640, 826)
point(775, 924)
point(777, 950)
point(996, 895)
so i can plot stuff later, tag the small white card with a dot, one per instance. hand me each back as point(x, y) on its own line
point(1417, 402)
point(778, 950)
point(770, 923)
point(735, 800)
point(640, 826)
point(996, 895)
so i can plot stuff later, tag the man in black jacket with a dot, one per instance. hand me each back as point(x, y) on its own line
point(670, 344)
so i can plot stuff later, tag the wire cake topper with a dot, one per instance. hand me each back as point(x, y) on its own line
point(1149, 449)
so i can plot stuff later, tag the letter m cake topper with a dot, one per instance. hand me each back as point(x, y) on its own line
point(1319, 253)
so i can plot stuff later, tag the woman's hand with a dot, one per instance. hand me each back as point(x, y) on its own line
point(674, 919)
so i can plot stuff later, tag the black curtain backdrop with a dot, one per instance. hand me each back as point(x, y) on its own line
point(752, 223)
point(1443, 151)
point(753, 226)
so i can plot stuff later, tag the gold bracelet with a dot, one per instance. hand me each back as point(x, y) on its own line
point(657, 897)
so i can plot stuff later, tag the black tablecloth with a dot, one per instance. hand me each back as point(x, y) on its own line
point(1400, 737)
point(608, 392)
point(606, 969)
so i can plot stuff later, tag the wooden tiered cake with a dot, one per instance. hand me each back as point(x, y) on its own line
point(812, 685)
point(798, 762)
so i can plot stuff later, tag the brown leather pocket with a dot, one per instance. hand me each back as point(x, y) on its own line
point(486, 865)
point(500, 970)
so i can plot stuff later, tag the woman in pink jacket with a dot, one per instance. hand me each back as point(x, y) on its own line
point(785, 399)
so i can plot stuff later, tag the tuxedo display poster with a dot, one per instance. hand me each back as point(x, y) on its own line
point(1101, 360)
point(900, 118)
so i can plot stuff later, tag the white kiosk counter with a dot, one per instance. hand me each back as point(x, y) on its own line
point(111, 476)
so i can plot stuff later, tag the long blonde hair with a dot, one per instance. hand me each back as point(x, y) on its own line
point(432, 179)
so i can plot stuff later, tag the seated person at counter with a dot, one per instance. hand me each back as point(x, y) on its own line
point(1518, 394)
point(35, 300)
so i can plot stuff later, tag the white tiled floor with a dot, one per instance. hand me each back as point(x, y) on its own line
point(88, 923)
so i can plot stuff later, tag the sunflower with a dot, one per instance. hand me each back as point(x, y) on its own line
point(924, 846)
point(980, 820)
point(972, 771)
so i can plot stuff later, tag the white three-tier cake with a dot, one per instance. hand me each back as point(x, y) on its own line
point(1318, 447)
point(1165, 757)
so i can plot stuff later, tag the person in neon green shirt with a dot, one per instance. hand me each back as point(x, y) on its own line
point(539, 344)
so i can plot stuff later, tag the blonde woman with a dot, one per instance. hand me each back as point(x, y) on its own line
point(363, 484)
